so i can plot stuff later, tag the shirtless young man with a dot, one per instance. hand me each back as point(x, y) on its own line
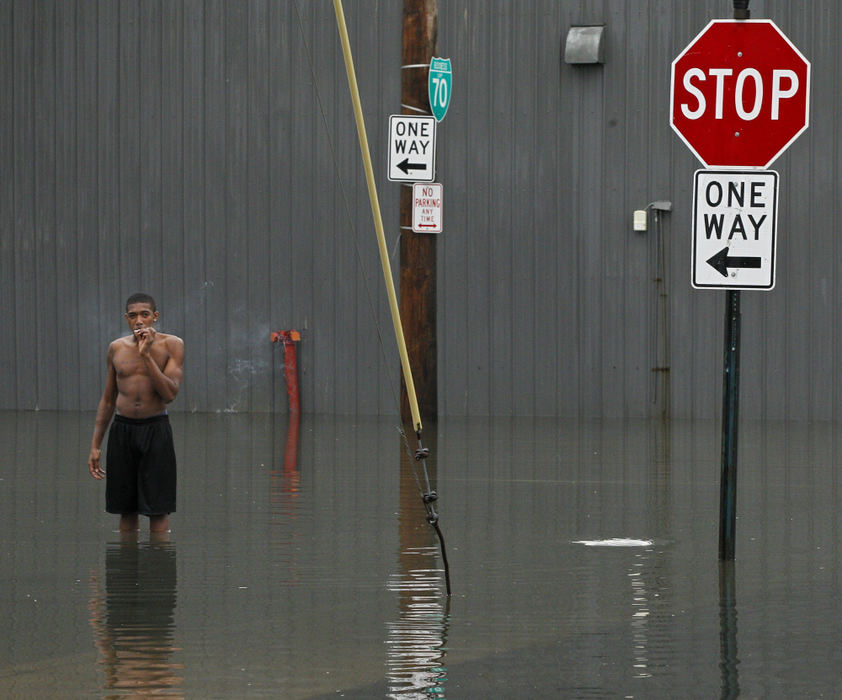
point(144, 375)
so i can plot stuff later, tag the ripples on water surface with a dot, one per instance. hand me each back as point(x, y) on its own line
point(582, 554)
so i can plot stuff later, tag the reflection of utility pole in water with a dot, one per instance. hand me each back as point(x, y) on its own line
point(416, 641)
point(728, 631)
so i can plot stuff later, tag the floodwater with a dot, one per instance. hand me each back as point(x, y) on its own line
point(583, 559)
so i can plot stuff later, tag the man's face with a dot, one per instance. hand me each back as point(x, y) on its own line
point(140, 316)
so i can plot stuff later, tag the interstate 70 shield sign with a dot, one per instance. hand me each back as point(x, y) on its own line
point(439, 84)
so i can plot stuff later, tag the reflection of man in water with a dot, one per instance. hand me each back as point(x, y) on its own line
point(134, 619)
point(144, 375)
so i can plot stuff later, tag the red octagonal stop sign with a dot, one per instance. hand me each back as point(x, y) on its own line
point(740, 93)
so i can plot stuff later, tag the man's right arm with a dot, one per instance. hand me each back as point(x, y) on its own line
point(104, 412)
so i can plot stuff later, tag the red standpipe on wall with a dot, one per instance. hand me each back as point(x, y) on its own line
point(289, 339)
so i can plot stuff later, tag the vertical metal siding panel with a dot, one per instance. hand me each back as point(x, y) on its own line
point(660, 179)
point(634, 116)
point(26, 345)
point(521, 216)
point(388, 370)
point(66, 252)
point(390, 367)
point(332, 324)
point(663, 173)
point(697, 340)
point(761, 387)
point(46, 271)
point(313, 393)
point(216, 214)
point(111, 305)
point(569, 381)
point(751, 353)
point(301, 231)
point(590, 204)
point(352, 346)
point(683, 299)
point(149, 93)
point(500, 232)
point(284, 35)
point(813, 147)
point(8, 350)
point(614, 234)
point(479, 279)
point(452, 252)
point(130, 251)
point(387, 364)
point(774, 389)
point(795, 172)
point(239, 371)
point(259, 271)
point(777, 356)
point(170, 224)
point(834, 207)
point(543, 151)
point(91, 363)
point(195, 389)
point(351, 227)
point(764, 390)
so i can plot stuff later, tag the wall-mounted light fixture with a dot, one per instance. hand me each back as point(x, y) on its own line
point(585, 44)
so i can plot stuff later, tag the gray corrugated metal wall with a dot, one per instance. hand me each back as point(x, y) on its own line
point(178, 147)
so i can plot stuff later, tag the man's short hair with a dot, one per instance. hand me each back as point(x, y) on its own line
point(140, 298)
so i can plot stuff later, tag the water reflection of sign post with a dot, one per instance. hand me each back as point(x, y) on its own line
point(426, 207)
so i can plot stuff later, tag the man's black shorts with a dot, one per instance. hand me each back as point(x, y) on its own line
point(140, 466)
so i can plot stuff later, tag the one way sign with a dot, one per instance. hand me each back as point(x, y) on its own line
point(412, 148)
point(734, 224)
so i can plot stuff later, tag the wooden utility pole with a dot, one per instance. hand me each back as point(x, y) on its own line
point(418, 250)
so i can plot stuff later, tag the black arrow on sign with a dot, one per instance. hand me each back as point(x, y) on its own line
point(721, 262)
point(406, 166)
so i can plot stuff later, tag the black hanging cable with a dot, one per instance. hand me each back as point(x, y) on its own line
point(428, 497)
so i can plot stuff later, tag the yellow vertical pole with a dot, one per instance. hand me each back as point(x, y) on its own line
point(375, 211)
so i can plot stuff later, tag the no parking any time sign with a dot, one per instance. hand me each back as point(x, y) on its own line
point(426, 207)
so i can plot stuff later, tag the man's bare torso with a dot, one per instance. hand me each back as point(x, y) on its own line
point(136, 395)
